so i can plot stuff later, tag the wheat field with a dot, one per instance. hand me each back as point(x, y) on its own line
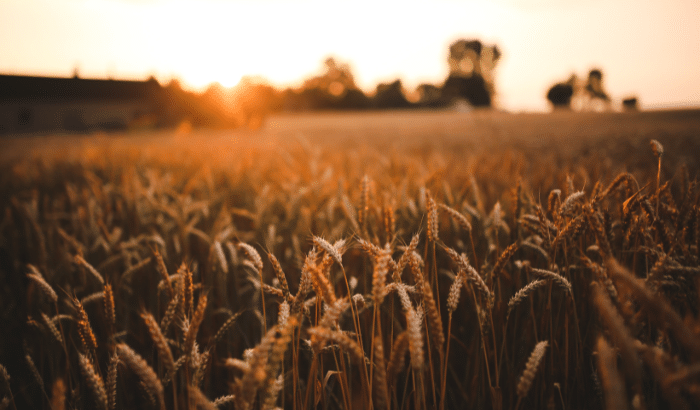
point(418, 260)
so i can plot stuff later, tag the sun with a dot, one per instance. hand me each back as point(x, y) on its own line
point(200, 78)
point(212, 65)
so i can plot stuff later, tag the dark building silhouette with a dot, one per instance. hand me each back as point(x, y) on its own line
point(34, 104)
point(48, 104)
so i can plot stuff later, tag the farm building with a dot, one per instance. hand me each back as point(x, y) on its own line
point(31, 104)
point(36, 104)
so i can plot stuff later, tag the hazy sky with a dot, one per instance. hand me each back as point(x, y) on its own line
point(649, 48)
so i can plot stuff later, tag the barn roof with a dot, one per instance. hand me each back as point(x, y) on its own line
point(43, 89)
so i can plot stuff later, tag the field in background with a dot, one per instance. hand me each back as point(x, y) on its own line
point(568, 132)
point(411, 260)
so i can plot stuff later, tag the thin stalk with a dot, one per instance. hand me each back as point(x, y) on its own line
point(483, 344)
point(344, 389)
point(444, 367)
point(262, 300)
point(310, 385)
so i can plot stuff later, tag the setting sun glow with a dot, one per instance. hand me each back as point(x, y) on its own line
point(200, 42)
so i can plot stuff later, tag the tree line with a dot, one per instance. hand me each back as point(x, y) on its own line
point(470, 82)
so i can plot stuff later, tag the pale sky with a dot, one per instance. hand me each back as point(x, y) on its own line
point(647, 48)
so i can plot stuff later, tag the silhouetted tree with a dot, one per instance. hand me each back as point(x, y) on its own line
point(630, 104)
point(560, 94)
point(252, 101)
point(597, 98)
point(429, 95)
point(579, 95)
point(390, 95)
point(334, 88)
point(355, 99)
point(179, 105)
point(474, 89)
point(471, 72)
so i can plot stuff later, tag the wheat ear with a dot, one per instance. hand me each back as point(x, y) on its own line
point(94, 381)
point(86, 335)
point(81, 261)
point(196, 321)
point(433, 229)
point(163, 272)
point(406, 255)
point(112, 381)
point(46, 289)
point(145, 372)
point(620, 336)
point(554, 277)
point(381, 269)
point(613, 386)
point(415, 338)
point(159, 341)
point(281, 277)
point(530, 371)
point(659, 310)
point(110, 315)
point(523, 293)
